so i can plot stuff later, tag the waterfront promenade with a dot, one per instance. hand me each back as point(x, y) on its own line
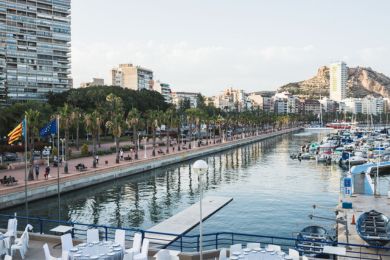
point(13, 195)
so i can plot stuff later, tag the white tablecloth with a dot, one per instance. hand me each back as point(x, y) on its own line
point(257, 255)
point(106, 250)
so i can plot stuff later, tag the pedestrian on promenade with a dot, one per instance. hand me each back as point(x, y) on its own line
point(97, 159)
point(47, 172)
point(37, 171)
point(121, 154)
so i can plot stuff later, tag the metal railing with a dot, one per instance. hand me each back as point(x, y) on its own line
point(190, 243)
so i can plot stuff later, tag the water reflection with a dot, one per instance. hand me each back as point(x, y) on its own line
point(272, 193)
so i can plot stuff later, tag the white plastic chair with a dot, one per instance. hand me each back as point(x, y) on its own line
point(235, 248)
point(26, 230)
point(47, 253)
point(120, 236)
point(7, 257)
point(253, 245)
point(137, 242)
point(144, 251)
point(20, 246)
point(163, 254)
point(274, 248)
point(92, 235)
point(293, 253)
point(65, 255)
point(12, 227)
point(11, 231)
point(222, 254)
point(305, 258)
point(66, 242)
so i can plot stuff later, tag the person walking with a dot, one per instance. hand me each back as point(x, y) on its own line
point(97, 159)
point(121, 154)
point(47, 172)
point(37, 171)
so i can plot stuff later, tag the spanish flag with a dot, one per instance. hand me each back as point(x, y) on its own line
point(15, 134)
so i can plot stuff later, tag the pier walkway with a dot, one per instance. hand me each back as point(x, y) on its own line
point(185, 220)
point(360, 204)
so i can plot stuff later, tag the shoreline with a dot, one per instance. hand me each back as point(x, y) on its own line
point(16, 195)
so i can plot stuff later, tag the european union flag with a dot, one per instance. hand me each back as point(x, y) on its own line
point(49, 129)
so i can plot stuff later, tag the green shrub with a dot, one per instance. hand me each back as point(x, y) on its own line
point(84, 150)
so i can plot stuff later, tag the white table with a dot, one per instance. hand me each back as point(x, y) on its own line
point(61, 229)
point(174, 254)
point(257, 255)
point(335, 250)
point(106, 250)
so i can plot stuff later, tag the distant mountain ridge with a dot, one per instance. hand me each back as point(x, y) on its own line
point(361, 82)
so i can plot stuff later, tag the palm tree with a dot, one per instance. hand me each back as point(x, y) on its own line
point(116, 120)
point(66, 118)
point(152, 118)
point(33, 123)
point(167, 119)
point(92, 125)
point(76, 118)
point(132, 121)
point(190, 119)
point(220, 121)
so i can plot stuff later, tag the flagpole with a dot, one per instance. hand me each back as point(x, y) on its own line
point(25, 169)
point(58, 167)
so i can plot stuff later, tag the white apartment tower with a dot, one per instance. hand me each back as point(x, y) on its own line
point(132, 77)
point(338, 81)
point(35, 38)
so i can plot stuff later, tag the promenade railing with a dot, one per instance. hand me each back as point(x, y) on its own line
point(188, 242)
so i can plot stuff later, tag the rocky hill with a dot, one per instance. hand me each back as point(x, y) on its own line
point(361, 82)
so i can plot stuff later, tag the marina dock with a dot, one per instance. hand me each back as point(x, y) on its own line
point(185, 220)
point(360, 204)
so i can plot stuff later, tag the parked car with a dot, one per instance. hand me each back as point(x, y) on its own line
point(10, 156)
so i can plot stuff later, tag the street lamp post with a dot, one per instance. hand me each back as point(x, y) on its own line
point(47, 149)
point(200, 167)
point(145, 149)
point(62, 143)
point(136, 152)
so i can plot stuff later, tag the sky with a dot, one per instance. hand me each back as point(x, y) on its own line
point(208, 45)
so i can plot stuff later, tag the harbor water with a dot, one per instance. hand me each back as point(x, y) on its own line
point(272, 194)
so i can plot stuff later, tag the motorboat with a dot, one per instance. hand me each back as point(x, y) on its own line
point(374, 228)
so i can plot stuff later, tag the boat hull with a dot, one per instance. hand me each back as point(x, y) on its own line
point(374, 228)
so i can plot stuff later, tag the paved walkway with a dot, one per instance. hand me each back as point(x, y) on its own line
point(105, 162)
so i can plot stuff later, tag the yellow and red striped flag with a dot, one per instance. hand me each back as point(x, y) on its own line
point(15, 134)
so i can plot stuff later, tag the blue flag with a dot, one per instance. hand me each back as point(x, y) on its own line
point(49, 129)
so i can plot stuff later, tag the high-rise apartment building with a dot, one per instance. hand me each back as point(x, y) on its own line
point(179, 97)
point(35, 40)
point(164, 89)
point(132, 77)
point(338, 81)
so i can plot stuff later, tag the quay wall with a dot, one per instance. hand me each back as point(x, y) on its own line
point(96, 176)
